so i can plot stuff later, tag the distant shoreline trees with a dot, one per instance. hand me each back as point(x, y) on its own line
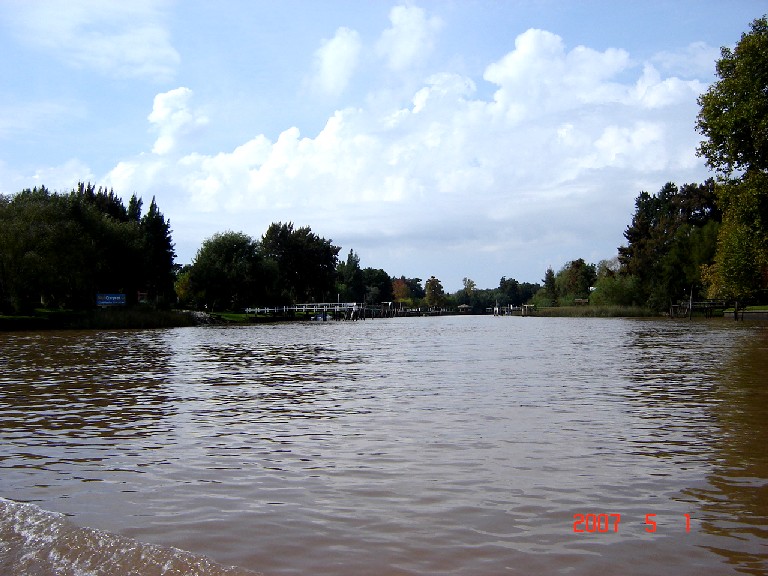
point(59, 250)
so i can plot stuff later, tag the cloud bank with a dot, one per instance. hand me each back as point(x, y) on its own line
point(547, 166)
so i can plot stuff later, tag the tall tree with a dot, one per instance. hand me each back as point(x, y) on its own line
point(378, 286)
point(134, 208)
point(351, 284)
point(740, 268)
point(734, 110)
point(734, 121)
point(574, 281)
point(550, 287)
point(306, 263)
point(401, 291)
point(672, 234)
point(228, 272)
point(434, 293)
point(159, 254)
point(469, 287)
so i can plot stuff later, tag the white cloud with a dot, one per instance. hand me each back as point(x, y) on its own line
point(174, 119)
point(450, 174)
point(697, 60)
point(652, 91)
point(122, 39)
point(335, 62)
point(410, 39)
point(540, 77)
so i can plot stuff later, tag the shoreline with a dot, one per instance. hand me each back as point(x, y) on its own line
point(150, 318)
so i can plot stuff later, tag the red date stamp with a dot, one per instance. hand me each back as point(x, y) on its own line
point(583, 523)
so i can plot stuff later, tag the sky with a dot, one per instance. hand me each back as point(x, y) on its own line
point(457, 138)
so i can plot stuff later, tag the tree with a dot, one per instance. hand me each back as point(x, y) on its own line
point(734, 121)
point(159, 271)
point(740, 268)
point(401, 291)
point(469, 287)
point(351, 285)
point(378, 286)
point(550, 287)
point(134, 209)
point(734, 110)
point(574, 281)
point(672, 234)
point(434, 293)
point(306, 263)
point(228, 272)
point(614, 288)
point(185, 292)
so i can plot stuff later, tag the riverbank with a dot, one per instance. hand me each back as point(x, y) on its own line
point(595, 312)
point(108, 318)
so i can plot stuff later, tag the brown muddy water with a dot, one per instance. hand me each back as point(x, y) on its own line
point(455, 445)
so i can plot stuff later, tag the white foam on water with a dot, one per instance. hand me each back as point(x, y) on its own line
point(37, 542)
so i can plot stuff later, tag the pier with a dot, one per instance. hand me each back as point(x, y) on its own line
point(323, 311)
point(687, 308)
point(319, 310)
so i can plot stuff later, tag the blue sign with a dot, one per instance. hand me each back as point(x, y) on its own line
point(110, 299)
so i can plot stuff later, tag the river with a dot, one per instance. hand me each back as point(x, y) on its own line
point(407, 446)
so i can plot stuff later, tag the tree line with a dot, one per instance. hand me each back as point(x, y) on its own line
point(673, 233)
point(288, 265)
point(59, 250)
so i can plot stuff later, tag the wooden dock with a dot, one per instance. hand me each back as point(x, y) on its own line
point(318, 310)
point(687, 308)
point(324, 311)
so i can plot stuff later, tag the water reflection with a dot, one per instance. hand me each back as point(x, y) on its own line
point(108, 385)
point(79, 408)
point(734, 503)
point(268, 374)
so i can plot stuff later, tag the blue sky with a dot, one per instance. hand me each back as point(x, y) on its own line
point(468, 138)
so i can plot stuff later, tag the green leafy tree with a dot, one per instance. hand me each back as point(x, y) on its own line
point(159, 271)
point(672, 234)
point(229, 272)
point(614, 288)
point(734, 110)
point(306, 263)
point(740, 268)
point(378, 286)
point(514, 293)
point(351, 284)
point(418, 292)
point(549, 295)
point(134, 209)
point(574, 281)
point(401, 292)
point(59, 250)
point(434, 293)
point(185, 292)
point(734, 121)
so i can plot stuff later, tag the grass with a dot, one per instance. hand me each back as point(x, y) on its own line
point(591, 311)
point(108, 318)
point(762, 307)
point(233, 317)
